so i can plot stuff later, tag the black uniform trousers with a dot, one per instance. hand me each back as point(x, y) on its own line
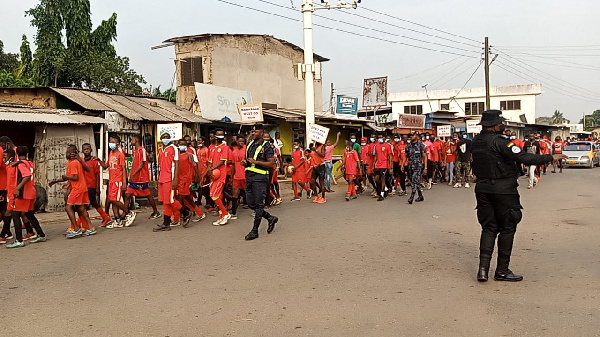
point(256, 191)
point(498, 215)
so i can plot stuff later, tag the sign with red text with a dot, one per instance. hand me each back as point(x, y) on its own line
point(318, 133)
point(250, 113)
point(444, 131)
point(473, 127)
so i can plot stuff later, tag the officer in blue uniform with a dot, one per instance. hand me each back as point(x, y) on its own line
point(260, 159)
point(496, 165)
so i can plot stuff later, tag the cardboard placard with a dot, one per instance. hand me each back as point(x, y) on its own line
point(473, 127)
point(444, 131)
point(318, 133)
point(251, 113)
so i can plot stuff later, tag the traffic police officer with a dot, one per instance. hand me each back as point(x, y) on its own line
point(416, 154)
point(495, 159)
point(260, 158)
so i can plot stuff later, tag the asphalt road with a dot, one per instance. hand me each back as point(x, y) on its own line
point(359, 268)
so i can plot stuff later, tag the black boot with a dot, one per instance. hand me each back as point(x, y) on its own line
point(412, 197)
point(165, 226)
point(505, 244)
point(420, 198)
point(484, 268)
point(252, 235)
point(272, 221)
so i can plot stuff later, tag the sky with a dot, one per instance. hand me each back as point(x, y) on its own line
point(552, 42)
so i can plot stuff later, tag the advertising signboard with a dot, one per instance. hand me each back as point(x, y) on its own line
point(375, 92)
point(218, 102)
point(346, 105)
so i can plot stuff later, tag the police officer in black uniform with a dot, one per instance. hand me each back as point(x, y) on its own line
point(260, 159)
point(495, 164)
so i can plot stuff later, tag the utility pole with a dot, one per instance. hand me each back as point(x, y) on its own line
point(332, 100)
point(308, 9)
point(427, 94)
point(487, 73)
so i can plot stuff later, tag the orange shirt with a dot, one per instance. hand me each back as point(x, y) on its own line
point(202, 154)
point(238, 156)
point(116, 163)
point(140, 156)
point(166, 162)
point(351, 162)
point(2, 170)
point(186, 167)
point(91, 178)
point(317, 160)
point(74, 167)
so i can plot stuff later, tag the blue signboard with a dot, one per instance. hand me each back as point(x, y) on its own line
point(346, 105)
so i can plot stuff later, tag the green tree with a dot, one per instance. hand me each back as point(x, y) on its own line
point(8, 61)
point(169, 94)
point(26, 64)
point(558, 118)
point(88, 59)
point(591, 121)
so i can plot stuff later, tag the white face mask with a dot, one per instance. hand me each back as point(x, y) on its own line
point(513, 137)
point(363, 144)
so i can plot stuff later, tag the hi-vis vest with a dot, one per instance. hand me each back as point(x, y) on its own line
point(252, 167)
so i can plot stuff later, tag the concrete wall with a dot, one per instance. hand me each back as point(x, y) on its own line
point(260, 64)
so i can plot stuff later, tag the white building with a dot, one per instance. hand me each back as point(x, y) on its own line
point(516, 102)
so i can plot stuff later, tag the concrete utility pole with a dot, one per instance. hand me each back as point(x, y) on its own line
point(487, 73)
point(332, 106)
point(308, 9)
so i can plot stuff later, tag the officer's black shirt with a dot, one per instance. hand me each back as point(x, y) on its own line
point(464, 156)
point(266, 153)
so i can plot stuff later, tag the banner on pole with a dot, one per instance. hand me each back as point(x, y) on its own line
point(444, 131)
point(250, 113)
point(318, 133)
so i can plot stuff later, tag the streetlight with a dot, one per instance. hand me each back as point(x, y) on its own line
point(308, 9)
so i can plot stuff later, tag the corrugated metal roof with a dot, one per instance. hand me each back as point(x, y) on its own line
point(135, 108)
point(48, 116)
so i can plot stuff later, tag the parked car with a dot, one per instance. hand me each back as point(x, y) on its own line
point(583, 154)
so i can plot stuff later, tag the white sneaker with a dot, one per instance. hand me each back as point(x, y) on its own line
point(202, 217)
point(115, 224)
point(175, 224)
point(429, 185)
point(450, 184)
point(467, 185)
point(457, 185)
point(225, 218)
point(130, 218)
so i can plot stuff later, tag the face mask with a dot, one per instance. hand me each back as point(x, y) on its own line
point(380, 140)
point(426, 137)
point(182, 148)
point(372, 139)
point(296, 147)
point(347, 148)
point(363, 144)
point(221, 137)
point(7, 162)
point(353, 140)
point(465, 136)
point(513, 137)
point(112, 146)
point(166, 141)
point(396, 140)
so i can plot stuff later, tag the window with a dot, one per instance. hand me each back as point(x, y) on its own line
point(445, 107)
point(474, 108)
point(191, 70)
point(413, 109)
point(510, 105)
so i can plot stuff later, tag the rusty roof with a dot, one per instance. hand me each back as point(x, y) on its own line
point(136, 108)
point(27, 114)
point(190, 38)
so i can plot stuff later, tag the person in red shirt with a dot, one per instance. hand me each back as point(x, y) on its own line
point(557, 148)
point(78, 198)
point(449, 156)
point(352, 169)
point(273, 198)
point(317, 181)
point(5, 232)
point(8, 157)
point(139, 177)
point(239, 173)
point(308, 170)
point(203, 155)
point(92, 179)
point(21, 197)
point(298, 170)
point(168, 180)
point(187, 171)
point(117, 184)
point(218, 162)
point(517, 141)
point(401, 176)
point(383, 160)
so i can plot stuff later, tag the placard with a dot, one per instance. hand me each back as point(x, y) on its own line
point(318, 133)
point(411, 121)
point(444, 131)
point(473, 127)
point(251, 113)
point(174, 129)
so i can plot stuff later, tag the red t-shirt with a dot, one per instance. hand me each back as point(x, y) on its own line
point(317, 160)
point(544, 147)
point(166, 162)
point(140, 157)
point(297, 156)
point(116, 163)
point(229, 159)
point(25, 169)
point(186, 167)
point(80, 185)
point(220, 153)
point(401, 149)
point(91, 178)
point(307, 163)
point(558, 147)
point(449, 148)
point(382, 151)
point(238, 156)
point(364, 153)
point(395, 152)
point(436, 148)
point(519, 142)
point(2, 170)
point(202, 154)
point(11, 180)
point(350, 162)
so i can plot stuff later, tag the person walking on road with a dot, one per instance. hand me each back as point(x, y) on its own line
point(416, 156)
point(260, 158)
point(495, 164)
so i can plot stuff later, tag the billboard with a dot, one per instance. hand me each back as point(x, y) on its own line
point(346, 105)
point(375, 92)
point(218, 102)
point(411, 121)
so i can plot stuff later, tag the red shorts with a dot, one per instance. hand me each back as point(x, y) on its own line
point(76, 198)
point(216, 189)
point(138, 189)
point(370, 168)
point(21, 205)
point(274, 178)
point(350, 177)
point(184, 187)
point(165, 193)
point(114, 191)
point(239, 184)
point(299, 176)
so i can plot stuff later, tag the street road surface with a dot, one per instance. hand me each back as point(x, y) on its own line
point(358, 268)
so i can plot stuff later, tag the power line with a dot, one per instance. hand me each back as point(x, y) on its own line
point(568, 63)
point(418, 24)
point(449, 73)
point(469, 80)
point(595, 46)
